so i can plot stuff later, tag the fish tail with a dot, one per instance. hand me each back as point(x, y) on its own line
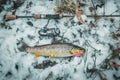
point(23, 47)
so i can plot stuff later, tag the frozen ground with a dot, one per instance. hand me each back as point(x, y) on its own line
point(98, 42)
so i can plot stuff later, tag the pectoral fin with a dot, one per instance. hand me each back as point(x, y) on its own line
point(36, 55)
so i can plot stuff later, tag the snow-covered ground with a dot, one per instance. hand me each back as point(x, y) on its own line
point(97, 41)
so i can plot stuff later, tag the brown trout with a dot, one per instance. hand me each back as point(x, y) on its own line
point(55, 50)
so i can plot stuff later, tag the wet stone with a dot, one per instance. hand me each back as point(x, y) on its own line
point(30, 23)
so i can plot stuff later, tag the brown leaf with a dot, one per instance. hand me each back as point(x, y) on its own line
point(116, 51)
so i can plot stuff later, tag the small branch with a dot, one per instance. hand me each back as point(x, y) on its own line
point(94, 10)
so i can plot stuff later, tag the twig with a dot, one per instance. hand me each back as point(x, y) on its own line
point(104, 8)
point(94, 9)
point(106, 62)
point(114, 12)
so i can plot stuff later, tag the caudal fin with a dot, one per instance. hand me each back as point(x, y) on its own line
point(23, 47)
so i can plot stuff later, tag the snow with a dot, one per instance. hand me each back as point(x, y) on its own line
point(17, 65)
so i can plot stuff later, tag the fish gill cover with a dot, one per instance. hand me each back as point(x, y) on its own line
point(93, 25)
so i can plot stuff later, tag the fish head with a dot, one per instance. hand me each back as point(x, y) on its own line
point(77, 51)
